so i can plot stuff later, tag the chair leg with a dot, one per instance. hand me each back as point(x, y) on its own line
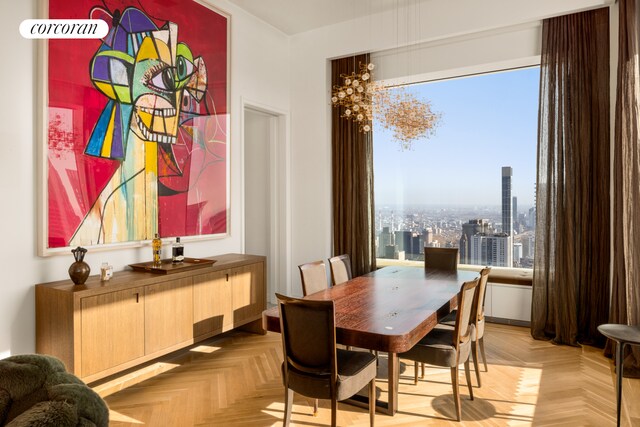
point(375, 353)
point(422, 375)
point(315, 407)
point(415, 369)
point(288, 403)
point(456, 392)
point(619, 372)
point(334, 412)
point(484, 356)
point(467, 373)
point(372, 401)
point(474, 351)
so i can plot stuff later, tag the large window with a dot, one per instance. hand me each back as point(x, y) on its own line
point(472, 184)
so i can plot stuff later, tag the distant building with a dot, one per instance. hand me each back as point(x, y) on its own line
point(390, 252)
point(517, 254)
point(528, 246)
point(384, 240)
point(492, 250)
point(427, 235)
point(531, 223)
point(507, 201)
point(403, 240)
point(417, 243)
point(474, 226)
point(507, 173)
point(514, 213)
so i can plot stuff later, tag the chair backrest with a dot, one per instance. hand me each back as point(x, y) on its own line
point(466, 296)
point(308, 335)
point(441, 258)
point(314, 277)
point(480, 294)
point(340, 266)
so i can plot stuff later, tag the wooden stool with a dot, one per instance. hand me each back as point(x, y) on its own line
point(621, 334)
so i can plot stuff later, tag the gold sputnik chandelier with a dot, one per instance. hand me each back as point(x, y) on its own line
point(355, 97)
point(361, 99)
point(408, 117)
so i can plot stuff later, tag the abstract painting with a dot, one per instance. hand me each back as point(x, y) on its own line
point(137, 125)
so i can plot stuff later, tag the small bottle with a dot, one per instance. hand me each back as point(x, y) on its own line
point(156, 244)
point(177, 251)
point(106, 271)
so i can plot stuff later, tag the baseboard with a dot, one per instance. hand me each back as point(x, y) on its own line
point(512, 322)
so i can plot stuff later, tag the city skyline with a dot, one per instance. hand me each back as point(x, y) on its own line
point(488, 121)
point(503, 238)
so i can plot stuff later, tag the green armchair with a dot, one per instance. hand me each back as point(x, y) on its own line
point(36, 390)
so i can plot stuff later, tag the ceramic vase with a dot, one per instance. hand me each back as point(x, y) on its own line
point(79, 270)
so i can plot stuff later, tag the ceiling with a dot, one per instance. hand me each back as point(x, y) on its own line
point(297, 16)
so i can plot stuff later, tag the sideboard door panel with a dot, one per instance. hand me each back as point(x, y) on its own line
point(248, 292)
point(112, 329)
point(168, 314)
point(212, 312)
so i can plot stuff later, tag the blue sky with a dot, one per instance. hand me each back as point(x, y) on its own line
point(488, 121)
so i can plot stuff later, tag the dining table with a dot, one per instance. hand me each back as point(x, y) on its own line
point(388, 310)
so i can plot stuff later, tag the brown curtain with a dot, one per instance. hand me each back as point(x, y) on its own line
point(572, 248)
point(352, 166)
point(625, 302)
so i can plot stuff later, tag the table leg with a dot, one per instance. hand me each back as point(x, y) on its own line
point(394, 374)
point(619, 368)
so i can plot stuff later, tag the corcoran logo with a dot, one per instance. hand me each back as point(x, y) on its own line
point(63, 28)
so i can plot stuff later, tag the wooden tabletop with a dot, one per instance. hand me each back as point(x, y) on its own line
point(390, 309)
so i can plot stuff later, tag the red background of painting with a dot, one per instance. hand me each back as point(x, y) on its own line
point(69, 86)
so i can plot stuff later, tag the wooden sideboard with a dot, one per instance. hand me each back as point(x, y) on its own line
point(101, 328)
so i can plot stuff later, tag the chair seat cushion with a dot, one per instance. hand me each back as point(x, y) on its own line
point(356, 369)
point(436, 348)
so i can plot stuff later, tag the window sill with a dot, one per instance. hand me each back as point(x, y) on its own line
point(503, 275)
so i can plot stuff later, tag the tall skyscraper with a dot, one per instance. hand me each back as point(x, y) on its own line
point(507, 226)
point(507, 218)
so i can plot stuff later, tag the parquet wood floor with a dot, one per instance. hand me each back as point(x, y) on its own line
point(235, 381)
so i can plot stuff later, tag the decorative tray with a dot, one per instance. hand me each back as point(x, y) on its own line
point(167, 266)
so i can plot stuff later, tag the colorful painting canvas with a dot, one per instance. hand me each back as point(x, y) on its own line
point(137, 124)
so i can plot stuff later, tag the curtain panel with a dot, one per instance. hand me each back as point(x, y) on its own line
point(572, 248)
point(625, 301)
point(352, 181)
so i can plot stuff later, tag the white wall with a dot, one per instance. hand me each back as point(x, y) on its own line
point(434, 22)
point(259, 71)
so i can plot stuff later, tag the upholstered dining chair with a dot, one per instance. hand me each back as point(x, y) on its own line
point(449, 348)
point(340, 266)
point(477, 318)
point(441, 258)
point(313, 366)
point(314, 277)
